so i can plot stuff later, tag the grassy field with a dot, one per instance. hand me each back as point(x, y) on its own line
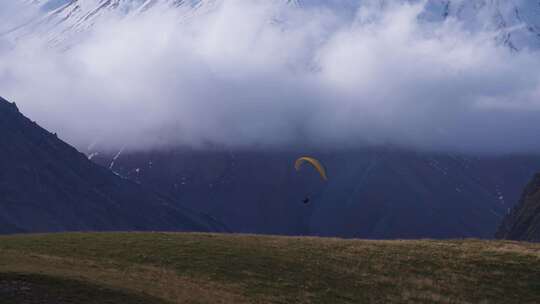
point(210, 268)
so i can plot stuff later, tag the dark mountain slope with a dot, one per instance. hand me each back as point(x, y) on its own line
point(371, 193)
point(47, 185)
point(523, 223)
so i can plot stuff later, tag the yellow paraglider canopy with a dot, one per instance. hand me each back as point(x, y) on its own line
point(315, 163)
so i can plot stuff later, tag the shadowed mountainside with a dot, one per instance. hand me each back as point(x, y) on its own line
point(523, 223)
point(379, 193)
point(47, 185)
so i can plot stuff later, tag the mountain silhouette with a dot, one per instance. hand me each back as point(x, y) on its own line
point(47, 185)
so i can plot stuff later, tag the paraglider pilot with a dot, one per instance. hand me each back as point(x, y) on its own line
point(316, 164)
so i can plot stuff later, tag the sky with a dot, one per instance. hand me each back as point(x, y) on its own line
point(260, 74)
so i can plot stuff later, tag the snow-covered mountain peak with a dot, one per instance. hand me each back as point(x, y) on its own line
point(516, 22)
point(65, 21)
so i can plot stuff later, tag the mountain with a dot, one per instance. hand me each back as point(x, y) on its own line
point(515, 23)
point(523, 223)
point(47, 185)
point(371, 193)
point(65, 23)
point(379, 192)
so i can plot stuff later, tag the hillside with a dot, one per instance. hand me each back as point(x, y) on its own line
point(47, 185)
point(211, 268)
point(523, 223)
point(380, 193)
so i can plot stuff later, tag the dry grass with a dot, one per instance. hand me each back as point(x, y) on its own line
point(210, 268)
point(155, 281)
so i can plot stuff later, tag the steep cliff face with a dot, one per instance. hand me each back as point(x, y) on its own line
point(523, 223)
point(47, 185)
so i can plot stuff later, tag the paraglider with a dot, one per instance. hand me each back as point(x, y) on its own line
point(312, 161)
point(317, 165)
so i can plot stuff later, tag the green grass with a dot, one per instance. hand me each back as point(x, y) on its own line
point(211, 268)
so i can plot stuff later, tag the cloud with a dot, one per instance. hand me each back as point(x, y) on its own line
point(248, 74)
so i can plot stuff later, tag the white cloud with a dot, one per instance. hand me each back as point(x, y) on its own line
point(257, 73)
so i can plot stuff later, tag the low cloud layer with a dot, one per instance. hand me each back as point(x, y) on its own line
point(262, 74)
